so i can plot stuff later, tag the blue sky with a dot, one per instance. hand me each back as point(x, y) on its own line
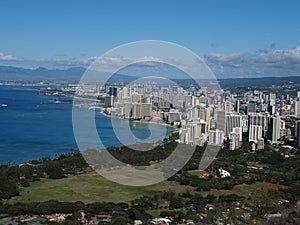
point(61, 30)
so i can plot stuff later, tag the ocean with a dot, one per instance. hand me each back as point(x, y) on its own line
point(33, 126)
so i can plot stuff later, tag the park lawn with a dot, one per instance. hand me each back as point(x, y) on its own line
point(88, 188)
point(245, 189)
point(92, 187)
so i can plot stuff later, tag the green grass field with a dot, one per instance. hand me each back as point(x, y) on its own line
point(245, 189)
point(88, 188)
point(92, 187)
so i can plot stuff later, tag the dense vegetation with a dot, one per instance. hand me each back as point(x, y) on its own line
point(266, 167)
point(14, 177)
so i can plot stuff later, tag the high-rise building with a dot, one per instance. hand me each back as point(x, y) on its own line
point(251, 107)
point(272, 109)
point(221, 123)
point(297, 109)
point(193, 132)
point(136, 98)
point(238, 131)
point(216, 137)
point(232, 121)
point(127, 109)
point(141, 110)
point(297, 132)
point(257, 124)
point(255, 132)
point(146, 109)
point(237, 106)
point(272, 99)
point(136, 111)
point(204, 114)
point(245, 120)
point(228, 107)
point(200, 111)
point(113, 91)
point(282, 128)
point(163, 104)
point(233, 141)
point(108, 101)
point(125, 92)
point(206, 118)
point(173, 116)
point(274, 129)
point(235, 138)
point(187, 101)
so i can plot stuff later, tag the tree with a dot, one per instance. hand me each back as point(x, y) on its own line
point(176, 203)
point(138, 214)
point(120, 220)
point(56, 173)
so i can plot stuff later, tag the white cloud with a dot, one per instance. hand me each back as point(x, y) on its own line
point(261, 63)
point(6, 57)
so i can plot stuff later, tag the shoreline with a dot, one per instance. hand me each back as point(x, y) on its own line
point(68, 153)
point(139, 121)
point(25, 153)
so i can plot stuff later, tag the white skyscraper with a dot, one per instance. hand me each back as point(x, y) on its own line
point(193, 132)
point(228, 107)
point(216, 137)
point(274, 129)
point(232, 121)
point(257, 125)
point(221, 123)
point(297, 109)
point(255, 132)
point(272, 99)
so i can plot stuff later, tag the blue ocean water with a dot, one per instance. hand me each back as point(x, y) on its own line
point(33, 126)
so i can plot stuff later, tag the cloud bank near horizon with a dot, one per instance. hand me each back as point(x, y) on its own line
point(262, 63)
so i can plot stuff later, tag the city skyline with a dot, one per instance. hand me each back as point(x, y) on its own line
point(149, 112)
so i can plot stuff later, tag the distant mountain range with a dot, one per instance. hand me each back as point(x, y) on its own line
point(9, 73)
point(259, 82)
